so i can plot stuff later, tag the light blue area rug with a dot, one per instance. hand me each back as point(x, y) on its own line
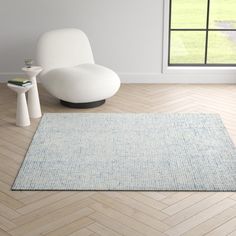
point(117, 151)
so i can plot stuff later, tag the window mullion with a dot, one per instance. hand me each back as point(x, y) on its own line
point(170, 18)
point(207, 30)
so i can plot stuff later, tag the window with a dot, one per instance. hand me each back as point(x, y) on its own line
point(202, 33)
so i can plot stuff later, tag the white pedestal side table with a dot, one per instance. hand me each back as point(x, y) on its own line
point(33, 95)
point(22, 114)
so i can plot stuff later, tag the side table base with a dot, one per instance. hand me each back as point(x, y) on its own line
point(22, 114)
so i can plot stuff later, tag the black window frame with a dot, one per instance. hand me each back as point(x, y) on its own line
point(207, 30)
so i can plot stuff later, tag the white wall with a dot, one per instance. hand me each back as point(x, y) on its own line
point(126, 35)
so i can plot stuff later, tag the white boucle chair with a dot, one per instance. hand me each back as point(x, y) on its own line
point(69, 72)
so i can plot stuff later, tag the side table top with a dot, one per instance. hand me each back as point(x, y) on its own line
point(33, 68)
point(19, 88)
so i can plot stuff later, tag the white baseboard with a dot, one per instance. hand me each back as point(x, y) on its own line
point(141, 78)
point(158, 78)
point(190, 78)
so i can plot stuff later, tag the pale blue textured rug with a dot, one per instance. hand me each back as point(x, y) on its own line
point(118, 151)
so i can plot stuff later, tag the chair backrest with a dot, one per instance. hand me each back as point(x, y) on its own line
point(63, 48)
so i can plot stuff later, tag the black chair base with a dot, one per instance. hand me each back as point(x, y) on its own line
point(86, 105)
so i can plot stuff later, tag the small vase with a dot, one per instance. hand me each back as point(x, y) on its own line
point(29, 63)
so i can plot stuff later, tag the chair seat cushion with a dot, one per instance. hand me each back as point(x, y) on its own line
point(83, 83)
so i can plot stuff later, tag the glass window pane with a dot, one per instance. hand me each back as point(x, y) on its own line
point(189, 14)
point(187, 47)
point(222, 47)
point(222, 14)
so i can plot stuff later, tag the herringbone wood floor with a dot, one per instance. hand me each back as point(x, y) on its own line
point(116, 213)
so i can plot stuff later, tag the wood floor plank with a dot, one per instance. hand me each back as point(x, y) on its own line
point(198, 207)
point(148, 201)
point(232, 233)
point(71, 228)
point(114, 225)
point(125, 220)
point(8, 212)
point(74, 201)
point(213, 223)
point(82, 232)
point(200, 218)
point(4, 233)
point(102, 230)
point(44, 202)
point(51, 221)
point(129, 211)
point(137, 205)
point(186, 202)
point(224, 229)
point(8, 224)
